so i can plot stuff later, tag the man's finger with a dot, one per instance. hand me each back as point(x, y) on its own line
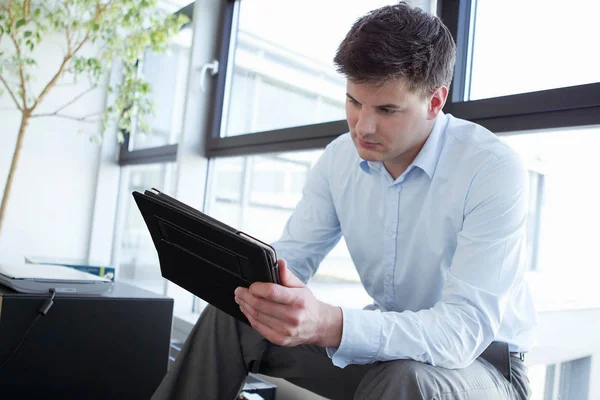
point(287, 277)
point(266, 331)
point(273, 292)
point(276, 324)
point(279, 312)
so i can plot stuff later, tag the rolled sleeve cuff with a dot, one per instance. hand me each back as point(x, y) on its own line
point(361, 338)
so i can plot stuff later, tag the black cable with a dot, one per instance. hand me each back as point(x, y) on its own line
point(43, 310)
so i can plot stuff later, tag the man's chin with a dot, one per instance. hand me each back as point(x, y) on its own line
point(368, 155)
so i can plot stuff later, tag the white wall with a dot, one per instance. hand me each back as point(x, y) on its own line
point(50, 207)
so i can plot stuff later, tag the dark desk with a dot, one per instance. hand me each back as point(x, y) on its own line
point(112, 346)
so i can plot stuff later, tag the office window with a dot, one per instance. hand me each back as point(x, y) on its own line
point(549, 45)
point(568, 380)
point(257, 194)
point(277, 182)
point(167, 75)
point(282, 72)
point(137, 261)
point(564, 216)
point(137, 258)
point(537, 195)
point(270, 187)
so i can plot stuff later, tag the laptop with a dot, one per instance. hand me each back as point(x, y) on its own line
point(32, 278)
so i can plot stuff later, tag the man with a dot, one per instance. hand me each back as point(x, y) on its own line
point(433, 211)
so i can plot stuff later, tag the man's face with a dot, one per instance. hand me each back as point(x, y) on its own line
point(388, 122)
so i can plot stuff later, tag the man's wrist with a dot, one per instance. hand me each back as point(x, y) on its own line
point(330, 329)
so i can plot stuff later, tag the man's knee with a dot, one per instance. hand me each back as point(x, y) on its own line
point(400, 379)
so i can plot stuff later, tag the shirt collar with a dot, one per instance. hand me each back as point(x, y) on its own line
point(429, 155)
point(367, 166)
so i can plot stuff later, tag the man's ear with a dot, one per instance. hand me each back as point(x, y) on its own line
point(436, 101)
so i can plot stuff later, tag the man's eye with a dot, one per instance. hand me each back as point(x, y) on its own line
point(387, 111)
point(352, 101)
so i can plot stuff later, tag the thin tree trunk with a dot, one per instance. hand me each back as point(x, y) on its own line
point(13, 166)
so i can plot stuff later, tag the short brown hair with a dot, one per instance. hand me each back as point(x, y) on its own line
point(398, 42)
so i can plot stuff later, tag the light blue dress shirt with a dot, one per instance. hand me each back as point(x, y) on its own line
point(441, 249)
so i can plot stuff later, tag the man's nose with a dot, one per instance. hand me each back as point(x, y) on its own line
point(366, 123)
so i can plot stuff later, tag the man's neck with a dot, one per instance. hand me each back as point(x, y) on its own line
point(396, 169)
point(398, 165)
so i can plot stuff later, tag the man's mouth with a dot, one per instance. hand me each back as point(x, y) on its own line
point(367, 144)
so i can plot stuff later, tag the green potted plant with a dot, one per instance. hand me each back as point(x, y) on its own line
point(95, 32)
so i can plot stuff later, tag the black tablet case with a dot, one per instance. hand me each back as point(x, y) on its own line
point(202, 255)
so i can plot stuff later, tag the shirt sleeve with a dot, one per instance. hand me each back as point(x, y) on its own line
point(488, 260)
point(314, 228)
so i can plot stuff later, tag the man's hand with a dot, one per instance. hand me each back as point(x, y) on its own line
point(289, 314)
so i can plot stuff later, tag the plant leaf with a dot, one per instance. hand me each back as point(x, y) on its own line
point(20, 23)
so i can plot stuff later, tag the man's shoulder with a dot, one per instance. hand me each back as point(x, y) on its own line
point(341, 143)
point(342, 149)
point(477, 153)
point(471, 139)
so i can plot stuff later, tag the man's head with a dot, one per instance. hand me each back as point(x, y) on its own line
point(398, 62)
point(398, 43)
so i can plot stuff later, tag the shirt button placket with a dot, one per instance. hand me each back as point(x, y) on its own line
point(390, 242)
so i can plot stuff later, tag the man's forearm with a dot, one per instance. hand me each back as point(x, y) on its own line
point(330, 326)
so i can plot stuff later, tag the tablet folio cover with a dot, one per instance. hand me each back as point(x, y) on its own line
point(203, 255)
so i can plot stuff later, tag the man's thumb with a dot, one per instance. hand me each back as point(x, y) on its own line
point(286, 277)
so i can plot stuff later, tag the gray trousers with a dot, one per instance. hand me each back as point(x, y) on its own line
point(220, 352)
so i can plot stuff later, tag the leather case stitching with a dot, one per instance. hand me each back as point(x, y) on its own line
point(200, 238)
point(195, 218)
point(205, 260)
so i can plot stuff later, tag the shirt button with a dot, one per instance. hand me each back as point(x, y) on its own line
point(388, 278)
point(391, 234)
